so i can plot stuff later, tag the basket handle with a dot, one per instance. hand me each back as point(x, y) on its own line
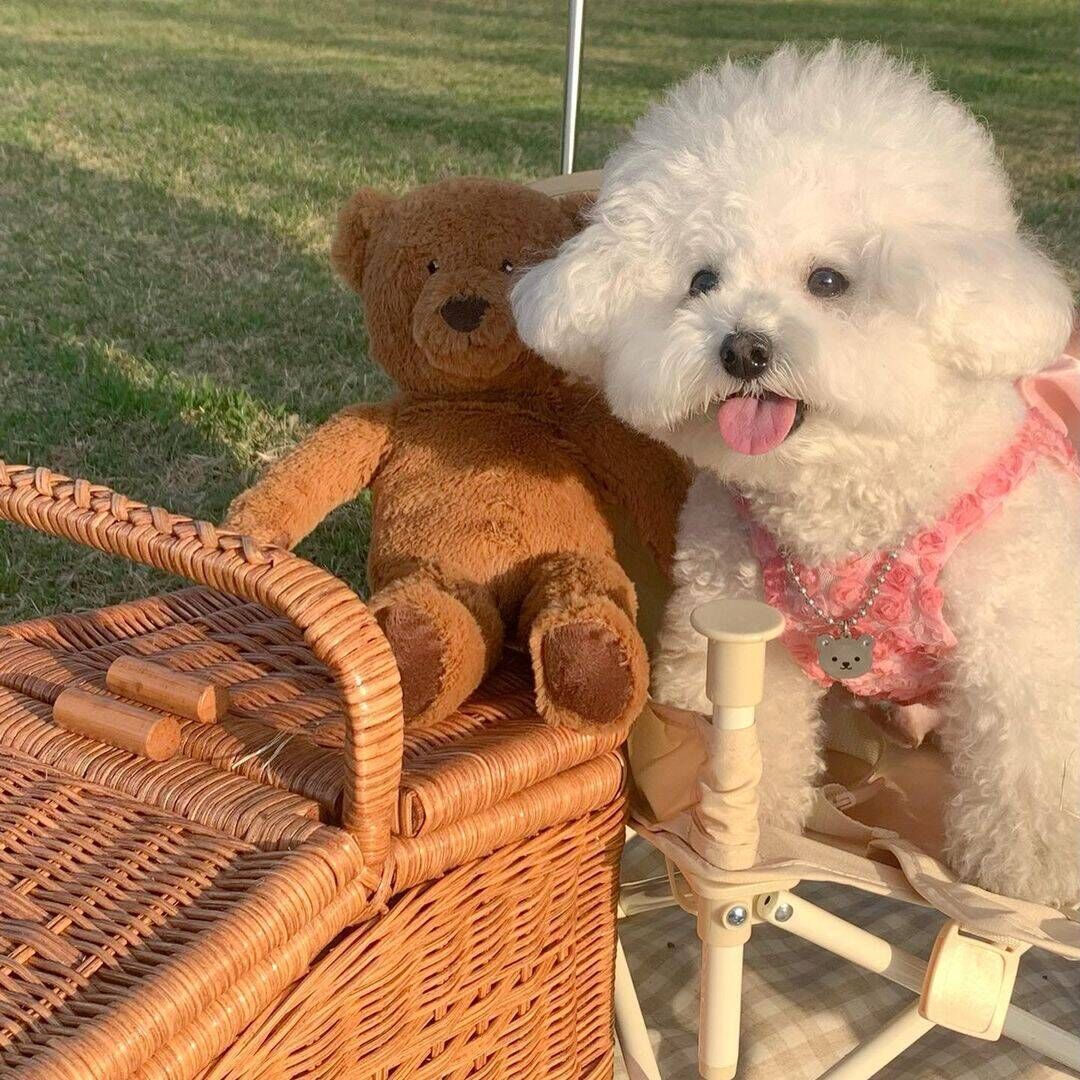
point(341, 631)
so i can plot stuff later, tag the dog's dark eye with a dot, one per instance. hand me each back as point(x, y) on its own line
point(507, 266)
point(433, 266)
point(826, 282)
point(703, 281)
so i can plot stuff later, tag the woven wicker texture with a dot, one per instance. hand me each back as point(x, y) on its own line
point(502, 968)
point(336, 626)
point(99, 899)
point(286, 727)
point(207, 916)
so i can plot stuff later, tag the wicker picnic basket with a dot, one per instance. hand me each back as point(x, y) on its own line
point(306, 889)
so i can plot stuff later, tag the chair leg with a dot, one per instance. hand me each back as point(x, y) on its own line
point(721, 1006)
point(811, 923)
point(630, 1027)
point(724, 929)
point(1042, 1037)
point(867, 1058)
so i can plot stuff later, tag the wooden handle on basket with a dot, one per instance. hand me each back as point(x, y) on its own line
point(117, 723)
point(189, 696)
point(340, 630)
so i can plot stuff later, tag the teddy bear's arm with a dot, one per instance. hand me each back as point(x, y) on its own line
point(644, 477)
point(333, 465)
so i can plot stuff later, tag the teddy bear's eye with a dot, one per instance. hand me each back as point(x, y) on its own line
point(507, 266)
point(433, 266)
point(703, 281)
point(826, 282)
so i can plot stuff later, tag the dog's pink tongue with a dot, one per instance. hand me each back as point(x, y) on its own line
point(755, 425)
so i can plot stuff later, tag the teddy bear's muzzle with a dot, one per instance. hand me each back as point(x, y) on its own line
point(462, 324)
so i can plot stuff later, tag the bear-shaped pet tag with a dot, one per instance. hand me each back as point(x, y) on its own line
point(845, 657)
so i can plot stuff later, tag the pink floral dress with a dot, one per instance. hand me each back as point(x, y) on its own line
point(910, 634)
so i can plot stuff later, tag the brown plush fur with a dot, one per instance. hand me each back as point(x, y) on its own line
point(487, 471)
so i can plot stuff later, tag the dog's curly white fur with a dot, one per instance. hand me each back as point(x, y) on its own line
point(850, 159)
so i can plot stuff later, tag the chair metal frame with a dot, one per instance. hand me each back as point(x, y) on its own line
point(966, 985)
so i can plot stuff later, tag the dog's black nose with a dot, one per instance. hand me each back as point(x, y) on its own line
point(745, 354)
point(464, 312)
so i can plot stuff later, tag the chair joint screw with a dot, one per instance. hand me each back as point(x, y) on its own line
point(783, 912)
point(736, 915)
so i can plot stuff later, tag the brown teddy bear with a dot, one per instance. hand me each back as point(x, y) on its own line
point(487, 471)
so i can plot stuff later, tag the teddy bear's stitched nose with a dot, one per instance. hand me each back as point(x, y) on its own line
point(464, 313)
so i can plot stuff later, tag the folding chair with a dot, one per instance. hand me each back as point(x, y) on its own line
point(734, 873)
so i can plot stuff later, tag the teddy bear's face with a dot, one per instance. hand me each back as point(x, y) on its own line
point(434, 270)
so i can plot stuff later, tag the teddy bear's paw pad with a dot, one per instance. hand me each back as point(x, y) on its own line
point(417, 647)
point(587, 671)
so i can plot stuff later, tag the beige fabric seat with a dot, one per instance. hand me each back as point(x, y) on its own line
point(888, 844)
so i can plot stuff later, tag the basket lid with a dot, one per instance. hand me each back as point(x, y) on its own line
point(280, 750)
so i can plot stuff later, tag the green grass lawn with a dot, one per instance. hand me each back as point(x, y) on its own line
point(169, 171)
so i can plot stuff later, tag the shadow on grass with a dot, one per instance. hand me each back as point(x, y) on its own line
point(158, 347)
point(323, 122)
point(475, 32)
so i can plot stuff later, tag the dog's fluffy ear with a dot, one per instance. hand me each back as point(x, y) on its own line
point(995, 306)
point(565, 307)
point(355, 222)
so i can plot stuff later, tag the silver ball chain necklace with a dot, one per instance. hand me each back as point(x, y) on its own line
point(844, 656)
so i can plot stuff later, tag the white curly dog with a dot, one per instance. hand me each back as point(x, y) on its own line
point(807, 276)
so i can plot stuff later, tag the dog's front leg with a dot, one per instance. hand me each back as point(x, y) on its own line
point(1012, 730)
point(714, 560)
point(1014, 824)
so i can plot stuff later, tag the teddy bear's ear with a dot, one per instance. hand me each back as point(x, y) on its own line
point(995, 307)
point(355, 220)
point(866, 641)
point(822, 640)
point(578, 204)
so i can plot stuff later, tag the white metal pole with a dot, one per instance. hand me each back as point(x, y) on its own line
point(572, 84)
point(630, 1028)
point(811, 923)
point(735, 668)
point(888, 1044)
point(720, 1003)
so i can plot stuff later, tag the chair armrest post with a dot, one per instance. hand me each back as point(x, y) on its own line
point(726, 816)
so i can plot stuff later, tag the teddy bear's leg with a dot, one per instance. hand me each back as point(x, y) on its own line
point(445, 638)
point(588, 659)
